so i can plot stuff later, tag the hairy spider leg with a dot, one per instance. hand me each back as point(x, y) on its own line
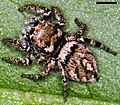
point(21, 43)
point(58, 16)
point(96, 43)
point(43, 11)
point(36, 9)
point(83, 39)
point(22, 61)
point(78, 33)
point(17, 42)
point(26, 33)
point(42, 74)
point(64, 78)
point(81, 26)
point(24, 45)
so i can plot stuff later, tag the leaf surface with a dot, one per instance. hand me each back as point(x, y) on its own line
point(102, 24)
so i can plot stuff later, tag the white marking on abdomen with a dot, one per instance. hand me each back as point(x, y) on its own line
point(66, 50)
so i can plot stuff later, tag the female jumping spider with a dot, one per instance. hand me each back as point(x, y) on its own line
point(55, 47)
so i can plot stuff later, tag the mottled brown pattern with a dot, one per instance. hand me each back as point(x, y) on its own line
point(81, 65)
point(44, 35)
point(48, 42)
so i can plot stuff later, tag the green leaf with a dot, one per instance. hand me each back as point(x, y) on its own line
point(102, 24)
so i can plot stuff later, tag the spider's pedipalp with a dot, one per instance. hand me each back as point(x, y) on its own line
point(26, 33)
point(32, 20)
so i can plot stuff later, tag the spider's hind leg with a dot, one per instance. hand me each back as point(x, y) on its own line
point(99, 45)
point(33, 20)
point(83, 39)
point(64, 78)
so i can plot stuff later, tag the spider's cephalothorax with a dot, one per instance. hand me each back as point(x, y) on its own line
point(47, 41)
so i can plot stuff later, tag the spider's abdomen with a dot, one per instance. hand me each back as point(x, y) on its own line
point(80, 64)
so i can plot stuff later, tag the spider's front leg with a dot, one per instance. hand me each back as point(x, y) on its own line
point(58, 16)
point(23, 42)
point(42, 74)
point(43, 11)
point(36, 9)
point(80, 38)
point(17, 42)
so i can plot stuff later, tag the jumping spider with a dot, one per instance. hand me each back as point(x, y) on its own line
point(47, 41)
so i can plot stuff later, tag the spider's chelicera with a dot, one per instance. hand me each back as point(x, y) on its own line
point(53, 46)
